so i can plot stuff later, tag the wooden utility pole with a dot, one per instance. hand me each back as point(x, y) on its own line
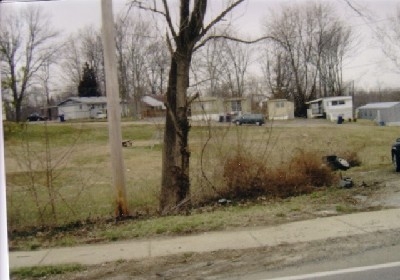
point(4, 261)
point(113, 109)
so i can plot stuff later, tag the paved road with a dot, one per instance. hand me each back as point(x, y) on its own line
point(377, 263)
point(388, 271)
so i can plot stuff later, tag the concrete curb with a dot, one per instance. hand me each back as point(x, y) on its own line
point(302, 231)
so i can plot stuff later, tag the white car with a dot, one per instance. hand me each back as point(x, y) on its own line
point(100, 115)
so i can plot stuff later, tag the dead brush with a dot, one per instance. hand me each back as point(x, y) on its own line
point(302, 174)
point(244, 177)
point(248, 177)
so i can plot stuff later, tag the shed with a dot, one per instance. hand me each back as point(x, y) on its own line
point(280, 109)
point(331, 108)
point(382, 113)
point(152, 107)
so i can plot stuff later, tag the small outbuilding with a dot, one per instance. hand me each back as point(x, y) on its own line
point(383, 113)
point(152, 107)
point(280, 109)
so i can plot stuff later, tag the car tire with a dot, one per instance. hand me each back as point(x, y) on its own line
point(396, 162)
point(238, 123)
point(258, 123)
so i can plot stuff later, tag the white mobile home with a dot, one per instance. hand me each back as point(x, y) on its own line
point(86, 107)
point(387, 113)
point(219, 109)
point(331, 108)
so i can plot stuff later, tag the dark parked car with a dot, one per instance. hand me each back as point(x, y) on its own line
point(35, 117)
point(396, 155)
point(257, 119)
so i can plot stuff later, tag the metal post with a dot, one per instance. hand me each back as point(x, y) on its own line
point(113, 108)
point(4, 261)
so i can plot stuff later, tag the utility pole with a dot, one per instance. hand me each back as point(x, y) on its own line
point(113, 109)
point(4, 261)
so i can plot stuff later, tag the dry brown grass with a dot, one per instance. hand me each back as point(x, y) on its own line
point(272, 162)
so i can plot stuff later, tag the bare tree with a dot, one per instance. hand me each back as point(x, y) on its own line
point(389, 38)
point(83, 47)
point(208, 67)
point(310, 44)
point(183, 40)
point(26, 44)
point(142, 59)
point(238, 60)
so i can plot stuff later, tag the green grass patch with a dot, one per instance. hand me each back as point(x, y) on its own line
point(44, 271)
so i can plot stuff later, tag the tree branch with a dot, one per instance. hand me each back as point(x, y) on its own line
point(216, 37)
point(220, 17)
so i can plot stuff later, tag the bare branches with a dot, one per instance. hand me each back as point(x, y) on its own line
point(220, 17)
point(169, 20)
point(354, 8)
point(226, 37)
point(166, 13)
point(27, 42)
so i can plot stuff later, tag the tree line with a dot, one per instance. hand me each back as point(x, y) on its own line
point(301, 60)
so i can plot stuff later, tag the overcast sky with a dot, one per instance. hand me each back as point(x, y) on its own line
point(368, 67)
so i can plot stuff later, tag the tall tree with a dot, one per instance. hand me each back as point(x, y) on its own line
point(388, 36)
point(26, 45)
point(140, 56)
point(310, 44)
point(183, 40)
point(84, 46)
point(236, 66)
point(88, 85)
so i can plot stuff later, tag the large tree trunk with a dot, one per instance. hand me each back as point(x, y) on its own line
point(175, 183)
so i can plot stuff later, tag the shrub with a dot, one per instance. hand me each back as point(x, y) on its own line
point(247, 176)
point(300, 175)
point(244, 177)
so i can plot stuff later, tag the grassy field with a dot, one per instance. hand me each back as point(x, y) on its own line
point(58, 176)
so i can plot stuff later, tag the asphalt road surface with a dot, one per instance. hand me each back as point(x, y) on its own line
point(389, 271)
point(379, 263)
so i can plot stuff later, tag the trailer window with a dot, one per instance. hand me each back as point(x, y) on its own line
point(338, 102)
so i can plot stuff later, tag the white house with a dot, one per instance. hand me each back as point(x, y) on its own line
point(331, 108)
point(85, 107)
point(387, 113)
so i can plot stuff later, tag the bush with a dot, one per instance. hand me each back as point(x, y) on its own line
point(248, 177)
point(244, 177)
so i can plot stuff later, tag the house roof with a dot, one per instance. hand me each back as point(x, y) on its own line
point(86, 100)
point(329, 98)
point(152, 102)
point(379, 105)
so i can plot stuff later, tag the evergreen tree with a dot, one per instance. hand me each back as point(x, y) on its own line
point(88, 85)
